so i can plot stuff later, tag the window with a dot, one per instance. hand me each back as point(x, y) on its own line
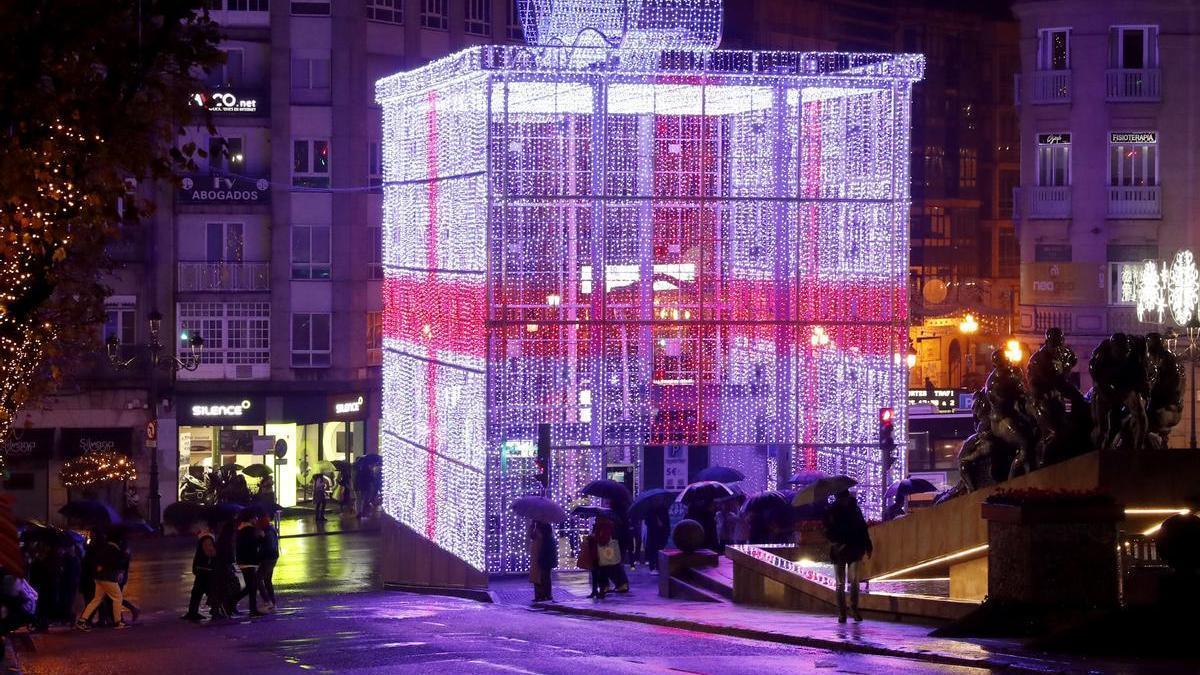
point(374, 165)
point(1053, 160)
point(1122, 282)
point(374, 338)
point(310, 166)
point(120, 317)
point(375, 266)
point(1009, 180)
point(1054, 49)
point(435, 14)
point(516, 30)
point(386, 11)
point(235, 333)
point(1133, 47)
point(225, 242)
point(310, 251)
point(479, 17)
point(228, 74)
point(310, 72)
point(1133, 159)
point(967, 167)
point(310, 340)
point(245, 5)
point(310, 7)
point(225, 153)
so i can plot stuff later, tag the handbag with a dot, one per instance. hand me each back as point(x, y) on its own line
point(585, 561)
point(609, 554)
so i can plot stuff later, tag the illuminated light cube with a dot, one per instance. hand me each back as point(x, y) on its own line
point(639, 246)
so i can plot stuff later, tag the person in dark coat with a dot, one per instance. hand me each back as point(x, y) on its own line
point(270, 556)
point(849, 541)
point(704, 512)
point(658, 531)
point(108, 562)
point(225, 587)
point(249, 558)
point(543, 558)
point(204, 568)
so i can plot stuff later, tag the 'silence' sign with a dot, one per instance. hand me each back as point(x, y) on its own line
point(219, 188)
point(221, 409)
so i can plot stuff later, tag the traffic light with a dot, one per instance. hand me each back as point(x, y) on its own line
point(887, 436)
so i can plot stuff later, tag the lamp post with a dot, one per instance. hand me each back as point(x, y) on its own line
point(157, 361)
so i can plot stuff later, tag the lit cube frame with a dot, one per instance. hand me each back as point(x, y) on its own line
point(637, 247)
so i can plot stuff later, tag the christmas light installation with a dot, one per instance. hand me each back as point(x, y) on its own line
point(96, 467)
point(637, 240)
point(1163, 289)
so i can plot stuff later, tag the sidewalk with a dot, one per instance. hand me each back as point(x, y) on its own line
point(880, 638)
point(300, 523)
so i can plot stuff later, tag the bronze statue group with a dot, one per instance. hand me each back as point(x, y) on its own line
point(1023, 424)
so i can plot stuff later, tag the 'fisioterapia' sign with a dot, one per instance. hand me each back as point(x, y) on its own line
point(1133, 137)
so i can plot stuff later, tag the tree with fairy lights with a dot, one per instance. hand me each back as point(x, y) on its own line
point(93, 97)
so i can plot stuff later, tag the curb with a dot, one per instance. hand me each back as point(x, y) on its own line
point(476, 594)
point(800, 641)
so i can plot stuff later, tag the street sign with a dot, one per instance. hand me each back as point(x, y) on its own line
point(152, 430)
point(281, 450)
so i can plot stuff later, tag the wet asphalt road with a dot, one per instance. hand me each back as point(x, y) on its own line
point(332, 619)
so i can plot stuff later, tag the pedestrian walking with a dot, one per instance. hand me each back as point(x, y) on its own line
point(587, 561)
point(362, 491)
point(270, 556)
point(108, 562)
point(320, 487)
point(249, 558)
point(344, 492)
point(204, 568)
point(543, 558)
point(123, 578)
point(849, 541)
point(608, 557)
point(225, 586)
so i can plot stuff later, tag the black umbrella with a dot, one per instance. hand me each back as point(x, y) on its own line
point(367, 461)
point(341, 464)
point(258, 471)
point(232, 467)
point(608, 489)
point(771, 500)
point(896, 492)
point(822, 490)
point(92, 513)
point(592, 512)
point(805, 478)
point(720, 474)
point(537, 508)
point(182, 515)
point(650, 500)
point(704, 491)
point(220, 513)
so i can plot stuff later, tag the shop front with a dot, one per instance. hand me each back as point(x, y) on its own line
point(292, 437)
point(26, 460)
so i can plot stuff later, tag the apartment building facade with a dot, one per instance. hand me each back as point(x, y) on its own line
point(270, 253)
point(1109, 147)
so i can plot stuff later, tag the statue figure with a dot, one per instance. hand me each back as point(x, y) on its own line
point(1121, 369)
point(1165, 408)
point(1063, 416)
point(1010, 412)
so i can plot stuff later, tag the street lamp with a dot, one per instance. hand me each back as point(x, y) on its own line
point(969, 325)
point(153, 353)
point(1013, 352)
point(910, 359)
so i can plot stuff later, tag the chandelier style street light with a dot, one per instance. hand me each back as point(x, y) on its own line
point(158, 361)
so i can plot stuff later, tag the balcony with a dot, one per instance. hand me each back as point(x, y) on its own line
point(1050, 86)
point(224, 277)
point(1134, 202)
point(1050, 201)
point(1133, 85)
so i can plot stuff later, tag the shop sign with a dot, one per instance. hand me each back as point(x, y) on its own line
point(28, 444)
point(1054, 139)
point(945, 400)
point(1139, 137)
point(202, 410)
point(218, 409)
point(1063, 283)
point(348, 407)
point(222, 188)
point(77, 442)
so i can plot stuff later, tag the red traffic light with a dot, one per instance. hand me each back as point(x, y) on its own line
point(886, 416)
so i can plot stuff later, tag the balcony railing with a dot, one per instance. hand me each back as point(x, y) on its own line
point(1051, 86)
point(1050, 202)
point(1142, 84)
point(1135, 202)
point(224, 276)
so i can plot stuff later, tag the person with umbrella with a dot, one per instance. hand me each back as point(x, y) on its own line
point(320, 488)
point(270, 556)
point(249, 543)
point(543, 547)
point(849, 541)
point(107, 564)
point(204, 572)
